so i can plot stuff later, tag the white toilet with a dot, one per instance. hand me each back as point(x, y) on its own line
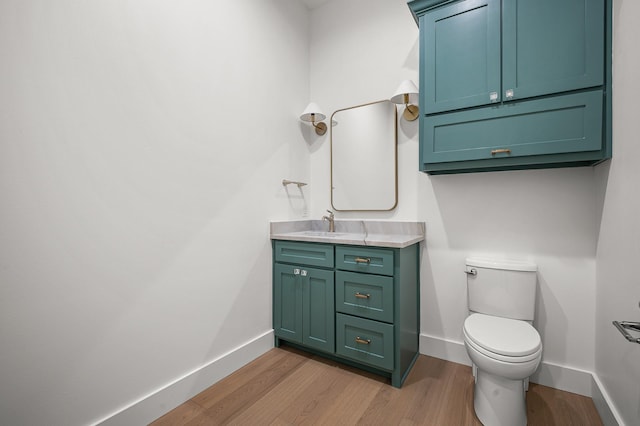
point(503, 345)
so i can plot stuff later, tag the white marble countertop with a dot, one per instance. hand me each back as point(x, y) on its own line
point(352, 232)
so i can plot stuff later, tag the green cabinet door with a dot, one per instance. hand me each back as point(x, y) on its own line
point(551, 46)
point(304, 306)
point(287, 302)
point(460, 55)
point(318, 324)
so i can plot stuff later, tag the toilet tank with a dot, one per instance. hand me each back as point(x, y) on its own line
point(503, 288)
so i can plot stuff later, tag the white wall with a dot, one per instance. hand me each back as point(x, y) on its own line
point(360, 51)
point(618, 283)
point(142, 145)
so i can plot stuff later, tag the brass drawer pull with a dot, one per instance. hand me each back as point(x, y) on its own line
point(362, 296)
point(500, 151)
point(364, 342)
point(366, 260)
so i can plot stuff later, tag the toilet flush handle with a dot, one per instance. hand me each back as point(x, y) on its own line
point(471, 272)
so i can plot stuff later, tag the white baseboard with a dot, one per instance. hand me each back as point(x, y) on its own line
point(163, 400)
point(564, 378)
point(449, 350)
point(606, 409)
point(556, 376)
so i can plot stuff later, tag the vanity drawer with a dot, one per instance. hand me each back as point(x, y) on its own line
point(366, 341)
point(360, 259)
point(365, 295)
point(313, 254)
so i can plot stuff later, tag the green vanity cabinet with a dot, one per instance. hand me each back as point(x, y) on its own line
point(498, 79)
point(303, 296)
point(374, 308)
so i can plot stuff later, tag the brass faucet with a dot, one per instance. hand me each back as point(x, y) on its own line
point(330, 219)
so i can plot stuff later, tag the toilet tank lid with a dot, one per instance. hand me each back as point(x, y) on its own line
point(505, 264)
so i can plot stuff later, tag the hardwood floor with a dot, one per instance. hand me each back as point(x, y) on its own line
point(289, 387)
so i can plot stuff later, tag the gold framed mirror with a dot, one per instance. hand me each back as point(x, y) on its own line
point(364, 157)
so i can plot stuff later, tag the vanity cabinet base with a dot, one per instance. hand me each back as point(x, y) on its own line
point(372, 321)
point(397, 378)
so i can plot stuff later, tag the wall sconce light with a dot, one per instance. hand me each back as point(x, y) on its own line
point(313, 115)
point(407, 94)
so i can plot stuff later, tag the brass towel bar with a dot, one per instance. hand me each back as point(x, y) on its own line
point(286, 182)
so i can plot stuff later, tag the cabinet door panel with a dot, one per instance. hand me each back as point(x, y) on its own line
point(287, 303)
point(562, 124)
point(461, 55)
point(319, 307)
point(552, 46)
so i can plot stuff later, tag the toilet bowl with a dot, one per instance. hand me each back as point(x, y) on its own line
point(505, 352)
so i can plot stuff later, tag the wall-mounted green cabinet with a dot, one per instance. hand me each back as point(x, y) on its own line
point(493, 72)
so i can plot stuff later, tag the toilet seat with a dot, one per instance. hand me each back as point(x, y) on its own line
point(503, 339)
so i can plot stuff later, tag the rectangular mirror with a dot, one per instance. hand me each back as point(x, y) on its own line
point(364, 158)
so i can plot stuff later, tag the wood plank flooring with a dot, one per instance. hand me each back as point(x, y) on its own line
point(289, 387)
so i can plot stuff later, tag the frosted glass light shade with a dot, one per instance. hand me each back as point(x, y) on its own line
point(312, 113)
point(406, 88)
